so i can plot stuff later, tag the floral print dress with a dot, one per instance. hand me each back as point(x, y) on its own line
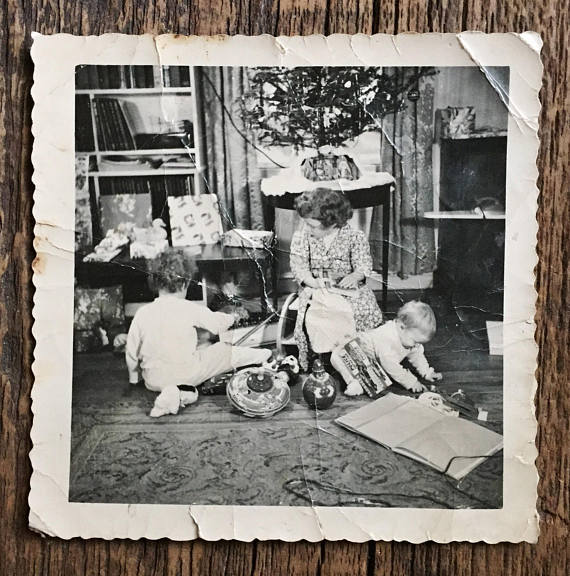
point(348, 252)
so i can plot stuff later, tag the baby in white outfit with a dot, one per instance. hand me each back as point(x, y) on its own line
point(392, 343)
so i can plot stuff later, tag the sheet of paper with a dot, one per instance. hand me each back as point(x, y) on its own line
point(452, 438)
point(435, 123)
point(393, 422)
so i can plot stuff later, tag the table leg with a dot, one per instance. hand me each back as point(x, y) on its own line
point(274, 277)
point(270, 210)
point(385, 248)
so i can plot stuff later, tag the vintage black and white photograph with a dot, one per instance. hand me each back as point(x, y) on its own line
point(289, 286)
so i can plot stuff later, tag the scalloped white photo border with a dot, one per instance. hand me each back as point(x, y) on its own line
point(55, 58)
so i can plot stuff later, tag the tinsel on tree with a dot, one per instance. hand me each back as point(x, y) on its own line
point(312, 107)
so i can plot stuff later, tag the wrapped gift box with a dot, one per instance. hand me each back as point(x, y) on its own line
point(195, 220)
point(150, 241)
point(248, 238)
point(456, 121)
point(97, 309)
point(120, 210)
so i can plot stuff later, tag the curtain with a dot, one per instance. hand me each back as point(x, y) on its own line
point(406, 152)
point(231, 170)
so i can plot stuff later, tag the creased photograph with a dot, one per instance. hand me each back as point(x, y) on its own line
point(284, 287)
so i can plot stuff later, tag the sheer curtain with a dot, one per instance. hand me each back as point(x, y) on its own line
point(231, 170)
point(406, 152)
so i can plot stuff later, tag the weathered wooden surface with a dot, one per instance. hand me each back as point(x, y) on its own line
point(22, 552)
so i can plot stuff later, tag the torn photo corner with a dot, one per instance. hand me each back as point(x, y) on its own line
point(284, 287)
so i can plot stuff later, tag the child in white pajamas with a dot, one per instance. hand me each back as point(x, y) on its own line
point(162, 341)
point(392, 343)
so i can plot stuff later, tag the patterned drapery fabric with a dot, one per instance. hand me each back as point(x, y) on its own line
point(231, 170)
point(406, 152)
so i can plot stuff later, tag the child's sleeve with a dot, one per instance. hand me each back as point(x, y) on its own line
point(299, 257)
point(360, 256)
point(214, 322)
point(418, 360)
point(391, 361)
point(132, 349)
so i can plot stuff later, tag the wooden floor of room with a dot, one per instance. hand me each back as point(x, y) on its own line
point(209, 454)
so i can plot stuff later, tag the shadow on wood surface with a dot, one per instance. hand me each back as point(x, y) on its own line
point(23, 552)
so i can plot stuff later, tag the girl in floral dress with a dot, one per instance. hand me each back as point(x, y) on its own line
point(330, 261)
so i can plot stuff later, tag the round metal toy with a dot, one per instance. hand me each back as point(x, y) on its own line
point(258, 393)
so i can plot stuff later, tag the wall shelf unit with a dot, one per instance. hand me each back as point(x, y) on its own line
point(138, 128)
point(469, 217)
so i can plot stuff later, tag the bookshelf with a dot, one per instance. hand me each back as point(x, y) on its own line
point(138, 127)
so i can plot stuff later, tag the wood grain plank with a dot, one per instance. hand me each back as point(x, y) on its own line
point(22, 552)
point(281, 559)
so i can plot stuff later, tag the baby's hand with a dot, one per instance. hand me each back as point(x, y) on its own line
point(433, 376)
point(417, 387)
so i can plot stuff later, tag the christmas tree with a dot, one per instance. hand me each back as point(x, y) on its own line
point(312, 107)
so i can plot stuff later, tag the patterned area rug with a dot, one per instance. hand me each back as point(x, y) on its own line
point(208, 454)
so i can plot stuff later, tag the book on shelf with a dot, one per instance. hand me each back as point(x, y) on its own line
point(174, 76)
point(82, 77)
point(411, 428)
point(114, 77)
point(84, 140)
point(125, 77)
point(93, 76)
point(104, 78)
point(138, 76)
point(184, 76)
point(165, 76)
point(113, 129)
point(175, 185)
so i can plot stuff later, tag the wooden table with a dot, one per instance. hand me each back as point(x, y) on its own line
point(132, 274)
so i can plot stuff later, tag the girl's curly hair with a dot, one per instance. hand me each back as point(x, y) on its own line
point(330, 207)
point(171, 271)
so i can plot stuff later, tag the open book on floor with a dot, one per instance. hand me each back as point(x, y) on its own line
point(406, 426)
